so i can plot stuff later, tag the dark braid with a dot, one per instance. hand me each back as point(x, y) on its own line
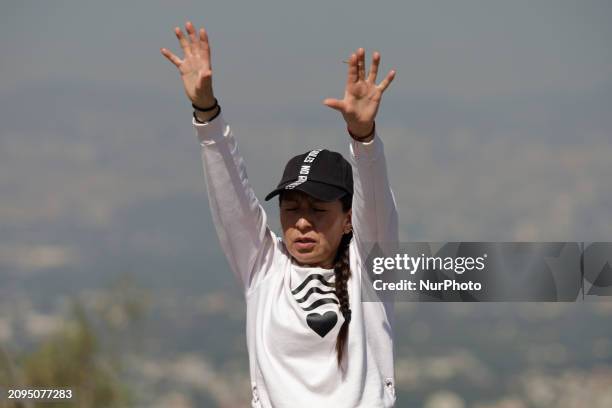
point(342, 272)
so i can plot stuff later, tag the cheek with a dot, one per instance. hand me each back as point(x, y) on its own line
point(333, 233)
point(286, 221)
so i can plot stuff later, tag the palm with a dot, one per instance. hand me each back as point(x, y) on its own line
point(361, 95)
point(195, 67)
point(195, 74)
point(361, 101)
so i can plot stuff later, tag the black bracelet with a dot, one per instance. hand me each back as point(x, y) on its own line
point(362, 138)
point(205, 109)
point(195, 117)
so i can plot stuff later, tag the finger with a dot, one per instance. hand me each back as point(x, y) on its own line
point(374, 68)
point(385, 83)
point(334, 104)
point(171, 57)
point(182, 40)
point(194, 43)
point(205, 44)
point(353, 74)
point(361, 63)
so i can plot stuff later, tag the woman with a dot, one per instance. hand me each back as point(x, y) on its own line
point(312, 342)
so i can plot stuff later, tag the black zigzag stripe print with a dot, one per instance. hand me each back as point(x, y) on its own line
point(316, 276)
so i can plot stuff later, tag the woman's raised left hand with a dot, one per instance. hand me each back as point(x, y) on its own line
point(361, 95)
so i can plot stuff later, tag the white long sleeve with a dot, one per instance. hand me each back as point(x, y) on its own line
point(239, 219)
point(375, 221)
point(374, 211)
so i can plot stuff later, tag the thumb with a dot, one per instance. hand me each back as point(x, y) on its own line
point(334, 104)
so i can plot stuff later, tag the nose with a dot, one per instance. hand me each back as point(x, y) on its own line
point(303, 224)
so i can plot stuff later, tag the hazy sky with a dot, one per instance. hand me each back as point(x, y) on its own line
point(497, 126)
point(466, 50)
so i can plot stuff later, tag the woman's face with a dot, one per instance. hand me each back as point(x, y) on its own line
point(312, 229)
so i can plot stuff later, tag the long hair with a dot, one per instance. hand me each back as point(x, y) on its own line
point(342, 272)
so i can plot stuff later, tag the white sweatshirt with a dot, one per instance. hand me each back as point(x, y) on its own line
point(291, 330)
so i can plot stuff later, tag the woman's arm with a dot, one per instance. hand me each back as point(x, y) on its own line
point(374, 210)
point(239, 219)
point(374, 214)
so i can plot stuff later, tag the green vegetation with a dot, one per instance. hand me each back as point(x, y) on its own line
point(77, 357)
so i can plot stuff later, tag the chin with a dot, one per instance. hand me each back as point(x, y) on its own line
point(305, 258)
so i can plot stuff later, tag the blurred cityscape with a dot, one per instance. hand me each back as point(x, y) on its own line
point(133, 347)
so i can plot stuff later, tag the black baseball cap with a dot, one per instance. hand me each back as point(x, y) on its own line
point(320, 173)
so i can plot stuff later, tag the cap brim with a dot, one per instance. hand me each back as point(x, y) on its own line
point(320, 191)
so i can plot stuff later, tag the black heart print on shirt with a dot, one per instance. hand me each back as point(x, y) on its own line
point(322, 323)
point(319, 323)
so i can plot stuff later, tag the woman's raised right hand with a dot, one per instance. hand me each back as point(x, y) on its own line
point(195, 67)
